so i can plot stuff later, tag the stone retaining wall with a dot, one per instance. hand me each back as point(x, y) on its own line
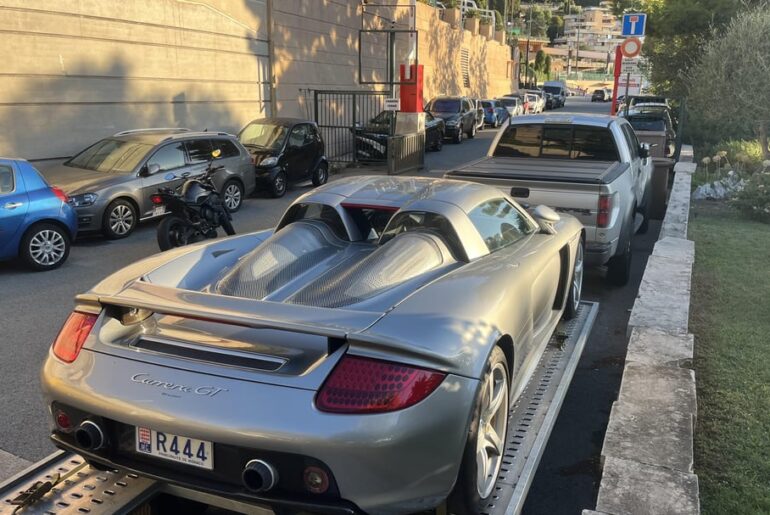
point(648, 447)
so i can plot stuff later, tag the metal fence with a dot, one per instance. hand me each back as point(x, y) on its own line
point(339, 114)
point(406, 153)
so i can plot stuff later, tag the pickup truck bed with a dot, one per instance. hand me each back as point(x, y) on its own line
point(539, 169)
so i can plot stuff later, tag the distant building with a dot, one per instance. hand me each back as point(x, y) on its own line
point(595, 29)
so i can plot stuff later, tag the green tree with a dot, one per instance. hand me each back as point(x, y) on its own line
point(540, 60)
point(547, 67)
point(555, 28)
point(730, 82)
point(540, 19)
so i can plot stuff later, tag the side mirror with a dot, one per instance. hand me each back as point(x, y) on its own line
point(644, 151)
point(151, 169)
point(546, 218)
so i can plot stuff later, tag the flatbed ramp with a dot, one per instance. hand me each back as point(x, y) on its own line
point(82, 489)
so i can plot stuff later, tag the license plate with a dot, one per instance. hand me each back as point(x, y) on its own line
point(158, 210)
point(189, 451)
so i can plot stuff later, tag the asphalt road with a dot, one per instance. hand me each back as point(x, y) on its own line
point(34, 305)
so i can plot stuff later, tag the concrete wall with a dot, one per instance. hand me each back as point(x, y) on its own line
point(78, 70)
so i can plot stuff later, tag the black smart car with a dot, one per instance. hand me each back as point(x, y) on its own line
point(372, 138)
point(285, 150)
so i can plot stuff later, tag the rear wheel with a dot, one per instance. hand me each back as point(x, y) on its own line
point(173, 232)
point(484, 451)
point(472, 132)
point(45, 247)
point(232, 194)
point(576, 286)
point(321, 175)
point(458, 138)
point(619, 266)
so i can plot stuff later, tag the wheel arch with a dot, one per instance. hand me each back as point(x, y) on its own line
point(505, 342)
point(52, 221)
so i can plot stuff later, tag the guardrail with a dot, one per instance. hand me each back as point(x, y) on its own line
point(406, 153)
point(648, 446)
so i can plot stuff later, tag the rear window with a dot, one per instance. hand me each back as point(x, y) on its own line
point(508, 102)
point(6, 179)
point(486, 104)
point(226, 147)
point(314, 211)
point(557, 141)
point(647, 124)
point(370, 220)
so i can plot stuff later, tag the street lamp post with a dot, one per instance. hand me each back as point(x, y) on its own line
point(529, 35)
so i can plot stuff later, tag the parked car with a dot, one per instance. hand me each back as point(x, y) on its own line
point(380, 320)
point(558, 91)
point(37, 224)
point(495, 113)
point(539, 95)
point(514, 104)
point(549, 102)
point(479, 114)
point(109, 183)
point(372, 138)
point(531, 103)
point(601, 95)
point(285, 150)
point(458, 114)
point(649, 100)
point(591, 166)
point(646, 119)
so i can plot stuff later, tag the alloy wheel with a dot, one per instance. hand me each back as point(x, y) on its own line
point(493, 423)
point(577, 277)
point(233, 196)
point(121, 219)
point(47, 247)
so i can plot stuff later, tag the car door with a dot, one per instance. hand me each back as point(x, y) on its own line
point(299, 152)
point(199, 153)
point(163, 169)
point(14, 205)
point(641, 167)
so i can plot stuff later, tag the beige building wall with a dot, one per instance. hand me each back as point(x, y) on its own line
point(74, 71)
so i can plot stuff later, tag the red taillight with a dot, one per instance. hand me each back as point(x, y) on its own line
point(63, 421)
point(604, 213)
point(73, 335)
point(490, 110)
point(363, 385)
point(60, 194)
point(156, 199)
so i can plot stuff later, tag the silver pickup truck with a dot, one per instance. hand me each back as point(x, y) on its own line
point(590, 166)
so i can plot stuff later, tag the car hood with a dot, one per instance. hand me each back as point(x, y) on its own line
point(447, 117)
point(75, 181)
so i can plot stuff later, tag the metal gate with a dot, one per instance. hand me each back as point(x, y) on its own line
point(347, 123)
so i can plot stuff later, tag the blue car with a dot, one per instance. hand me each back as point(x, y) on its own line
point(37, 224)
point(495, 113)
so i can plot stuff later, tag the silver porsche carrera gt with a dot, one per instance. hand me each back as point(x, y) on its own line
point(361, 357)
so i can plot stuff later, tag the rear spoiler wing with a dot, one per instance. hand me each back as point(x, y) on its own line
point(332, 323)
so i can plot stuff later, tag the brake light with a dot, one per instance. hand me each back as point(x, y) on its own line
point(73, 335)
point(604, 213)
point(156, 199)
point(364, 385)
point(60, 194)
point(490, 110)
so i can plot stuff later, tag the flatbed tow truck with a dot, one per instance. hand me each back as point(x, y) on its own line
point(63, 483)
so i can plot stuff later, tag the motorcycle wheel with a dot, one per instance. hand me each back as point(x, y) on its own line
point(174, 231)
point(227, 225)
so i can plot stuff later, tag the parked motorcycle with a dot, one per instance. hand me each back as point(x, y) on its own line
point(196, 210)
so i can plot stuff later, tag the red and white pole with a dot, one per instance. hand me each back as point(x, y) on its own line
point(618, 66)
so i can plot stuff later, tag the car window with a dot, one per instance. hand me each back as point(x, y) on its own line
point(643, 123)
point(312, 132)
point(520, 141)
point(553, 141)
point(6, 179)
point(199, 150)
point(557, 142)
point(111, 155)
point(263, 135)
point(309, 134)
point(226, 147)
point(499, 223)
point(168, 157)
point(633, 143)
point(297, 136)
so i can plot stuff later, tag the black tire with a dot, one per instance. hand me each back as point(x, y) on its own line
point(232, 195)
point(465, 499)
point(575, 288)
point(645, 221)
point(173, 232)
point(227, 225)
point(458, 138)
point(497, 123)
point(619, 266)
point(44, 247)
point(472, 132)
point(119, 220)
point(439, 143)
point(321, 174)
point(278, 185)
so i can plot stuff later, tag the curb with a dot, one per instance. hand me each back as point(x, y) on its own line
point(648, 447)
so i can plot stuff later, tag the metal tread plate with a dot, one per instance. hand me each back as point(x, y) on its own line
point(534, 414)
point(88, 490)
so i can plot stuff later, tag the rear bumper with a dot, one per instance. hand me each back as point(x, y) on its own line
point(598, 254)
point(401, 462)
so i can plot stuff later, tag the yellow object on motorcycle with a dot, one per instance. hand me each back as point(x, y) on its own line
point(215, 154)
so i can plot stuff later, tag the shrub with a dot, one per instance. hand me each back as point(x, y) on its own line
point(471, 13)
point(744, 154)
point(754, 200)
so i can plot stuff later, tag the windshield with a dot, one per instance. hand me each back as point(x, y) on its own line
point(444, 105)
point(486, 104)
point(111, 155)
point(508, 102)
point(554, 90)
point(383, 118)
point(265, 135)
point(647, 124)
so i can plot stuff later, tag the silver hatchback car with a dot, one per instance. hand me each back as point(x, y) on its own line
point(110, 183)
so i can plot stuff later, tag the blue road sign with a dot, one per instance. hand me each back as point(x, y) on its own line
point(634, 24)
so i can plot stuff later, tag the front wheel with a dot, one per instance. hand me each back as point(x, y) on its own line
point(458, 138)
point(439, 144)
point(472, 132)
point(576, 286)
point(484, 451)
point(278, 186)
point(174, 231)
point(120, 219)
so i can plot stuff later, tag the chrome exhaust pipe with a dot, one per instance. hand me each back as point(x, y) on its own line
point(259, 476)
point(90, 436)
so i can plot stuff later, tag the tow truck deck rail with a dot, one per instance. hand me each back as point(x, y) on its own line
point(83, 489)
